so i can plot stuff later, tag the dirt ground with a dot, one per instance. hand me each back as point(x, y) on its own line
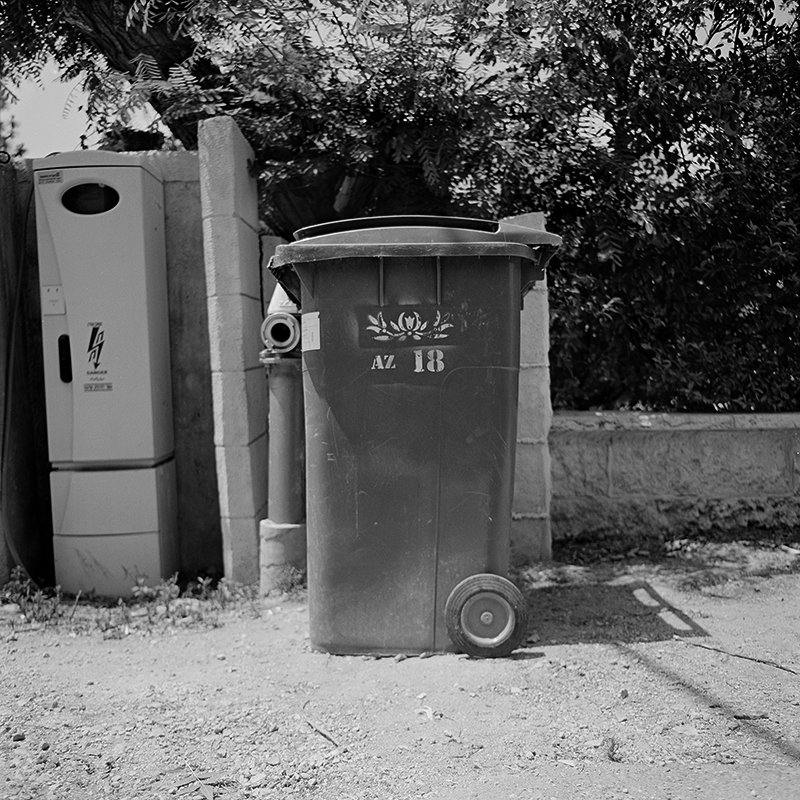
point(667, 678)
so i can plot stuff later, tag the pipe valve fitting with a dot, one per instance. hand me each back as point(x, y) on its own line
point(280, 332)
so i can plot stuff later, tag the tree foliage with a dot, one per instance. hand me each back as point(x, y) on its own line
point(679, 290)
point(661, 137)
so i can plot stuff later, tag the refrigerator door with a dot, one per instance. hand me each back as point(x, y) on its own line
point(100, 225)
point(114, 527)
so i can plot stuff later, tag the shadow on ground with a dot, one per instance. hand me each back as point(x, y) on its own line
point(596, 599)
point(597, 613)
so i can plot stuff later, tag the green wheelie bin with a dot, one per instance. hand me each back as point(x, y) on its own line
point(410, 348)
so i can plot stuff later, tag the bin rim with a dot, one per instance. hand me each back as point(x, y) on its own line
point(311, 251)
point(395, 221)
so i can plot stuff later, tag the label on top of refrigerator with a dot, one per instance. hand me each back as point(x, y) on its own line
point(50, 176)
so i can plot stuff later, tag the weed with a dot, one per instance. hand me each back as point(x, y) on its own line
point(157, 599)
point(205, 587)
point(292, 581)
point(36, 605)
point(115, 622)
point(614, 749)
point(150, 609)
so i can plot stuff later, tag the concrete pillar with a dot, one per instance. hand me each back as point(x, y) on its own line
point(530, 521)
point(231, 243)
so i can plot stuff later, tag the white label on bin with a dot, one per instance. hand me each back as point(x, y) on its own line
point(310, 329)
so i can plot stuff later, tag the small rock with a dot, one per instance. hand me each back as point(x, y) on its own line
point(623, 694)
point(257, 779)
point(400, 657)
point(426, 654)
point(18, 737)
point(221, 657)
point(45, 745)
point(593, 743)
point(222, 753)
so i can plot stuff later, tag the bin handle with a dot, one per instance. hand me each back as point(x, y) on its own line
point(529, 229)
point(288, 280)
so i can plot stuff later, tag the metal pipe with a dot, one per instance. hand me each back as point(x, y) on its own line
point(282, 550)
point(286, 497)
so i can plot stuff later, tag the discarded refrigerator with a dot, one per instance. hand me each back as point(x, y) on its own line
point(105, 332)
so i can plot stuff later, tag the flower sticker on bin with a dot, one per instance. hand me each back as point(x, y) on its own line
point(409, 326)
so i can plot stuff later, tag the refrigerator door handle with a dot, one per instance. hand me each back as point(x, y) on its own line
point(64, 359)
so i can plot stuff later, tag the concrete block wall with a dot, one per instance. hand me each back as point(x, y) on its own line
point(235, 312)
point(24, 490)
point(193, 418)
point(635, 477)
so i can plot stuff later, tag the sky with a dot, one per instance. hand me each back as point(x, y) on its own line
point(48, 118)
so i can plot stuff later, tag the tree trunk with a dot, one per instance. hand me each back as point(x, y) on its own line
point(104, 26)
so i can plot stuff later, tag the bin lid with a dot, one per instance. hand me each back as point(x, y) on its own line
point(415, 236)
point(527, 229)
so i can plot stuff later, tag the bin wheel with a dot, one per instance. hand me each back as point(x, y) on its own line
point(486, 616)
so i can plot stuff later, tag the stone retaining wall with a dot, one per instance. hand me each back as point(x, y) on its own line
point(638, 477)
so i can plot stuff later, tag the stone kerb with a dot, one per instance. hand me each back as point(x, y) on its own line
point(636, 476)
point(230, 234)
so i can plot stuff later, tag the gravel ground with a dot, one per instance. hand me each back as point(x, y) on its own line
point(641, 678)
